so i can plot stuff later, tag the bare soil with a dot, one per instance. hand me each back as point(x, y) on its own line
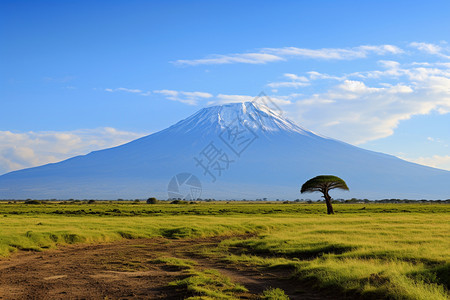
point(127, 270)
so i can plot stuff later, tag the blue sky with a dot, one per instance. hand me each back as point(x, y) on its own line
point(77, 76)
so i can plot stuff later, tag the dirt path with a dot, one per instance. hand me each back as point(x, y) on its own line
point(127, 270)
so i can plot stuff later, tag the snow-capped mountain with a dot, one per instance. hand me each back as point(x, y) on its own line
point(234, 151)
point(251, 114)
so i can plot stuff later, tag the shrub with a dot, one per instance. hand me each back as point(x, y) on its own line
point(33, 202)
point(179, 202)
point(152, 200)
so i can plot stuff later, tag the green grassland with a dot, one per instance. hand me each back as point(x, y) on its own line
point(395, 251)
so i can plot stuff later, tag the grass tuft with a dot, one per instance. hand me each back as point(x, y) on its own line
point(274, 294)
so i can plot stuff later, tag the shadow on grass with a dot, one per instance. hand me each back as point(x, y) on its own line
point(302, 254)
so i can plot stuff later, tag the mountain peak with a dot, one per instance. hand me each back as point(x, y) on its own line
point(256, 116)
point(279, 155)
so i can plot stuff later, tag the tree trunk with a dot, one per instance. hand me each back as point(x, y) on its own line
point(328, 202)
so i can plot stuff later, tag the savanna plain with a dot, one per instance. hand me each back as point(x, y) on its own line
point(223, 250)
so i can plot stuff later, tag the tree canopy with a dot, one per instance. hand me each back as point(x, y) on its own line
point(324, 183)
point(318, 183)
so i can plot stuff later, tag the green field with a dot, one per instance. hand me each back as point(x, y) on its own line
point(397, 251)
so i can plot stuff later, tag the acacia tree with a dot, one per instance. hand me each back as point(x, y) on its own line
point(323, 184)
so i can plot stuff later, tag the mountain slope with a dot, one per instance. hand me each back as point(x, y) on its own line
point(252, 153)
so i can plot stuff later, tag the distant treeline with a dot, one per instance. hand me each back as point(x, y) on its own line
point(181, 201)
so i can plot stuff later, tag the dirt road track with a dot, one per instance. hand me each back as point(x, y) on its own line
point(127, 270)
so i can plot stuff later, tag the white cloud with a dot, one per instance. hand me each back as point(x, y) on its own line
point(29, 149)
point(124, 90)
point(436, 161)
point(168, 93)
point(335, 53)
point(431, 49)
point(190, 98)
point(266, 55)
point(354, 88)
point(246, 58)
point(357, 112)
point(296, 77)
point(314, 75)
point(127, 90)
point(295, 81)
point(389, 64)
point(438, 141)
point(391, 69)
point(197, 94)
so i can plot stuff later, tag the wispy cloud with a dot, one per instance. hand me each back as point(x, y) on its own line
point(246, 58)
point(390, 69)
point(438, 141)
point(436, 161)
point(127, 90)
point(124, 90)
point(314, 75)
point(191, 98)
point(335, 53)
point(266, 55)
point(294, 82)
point(432, 49)
point(29, 149)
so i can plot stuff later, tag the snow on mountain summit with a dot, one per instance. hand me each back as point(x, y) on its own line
point(256, 116)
